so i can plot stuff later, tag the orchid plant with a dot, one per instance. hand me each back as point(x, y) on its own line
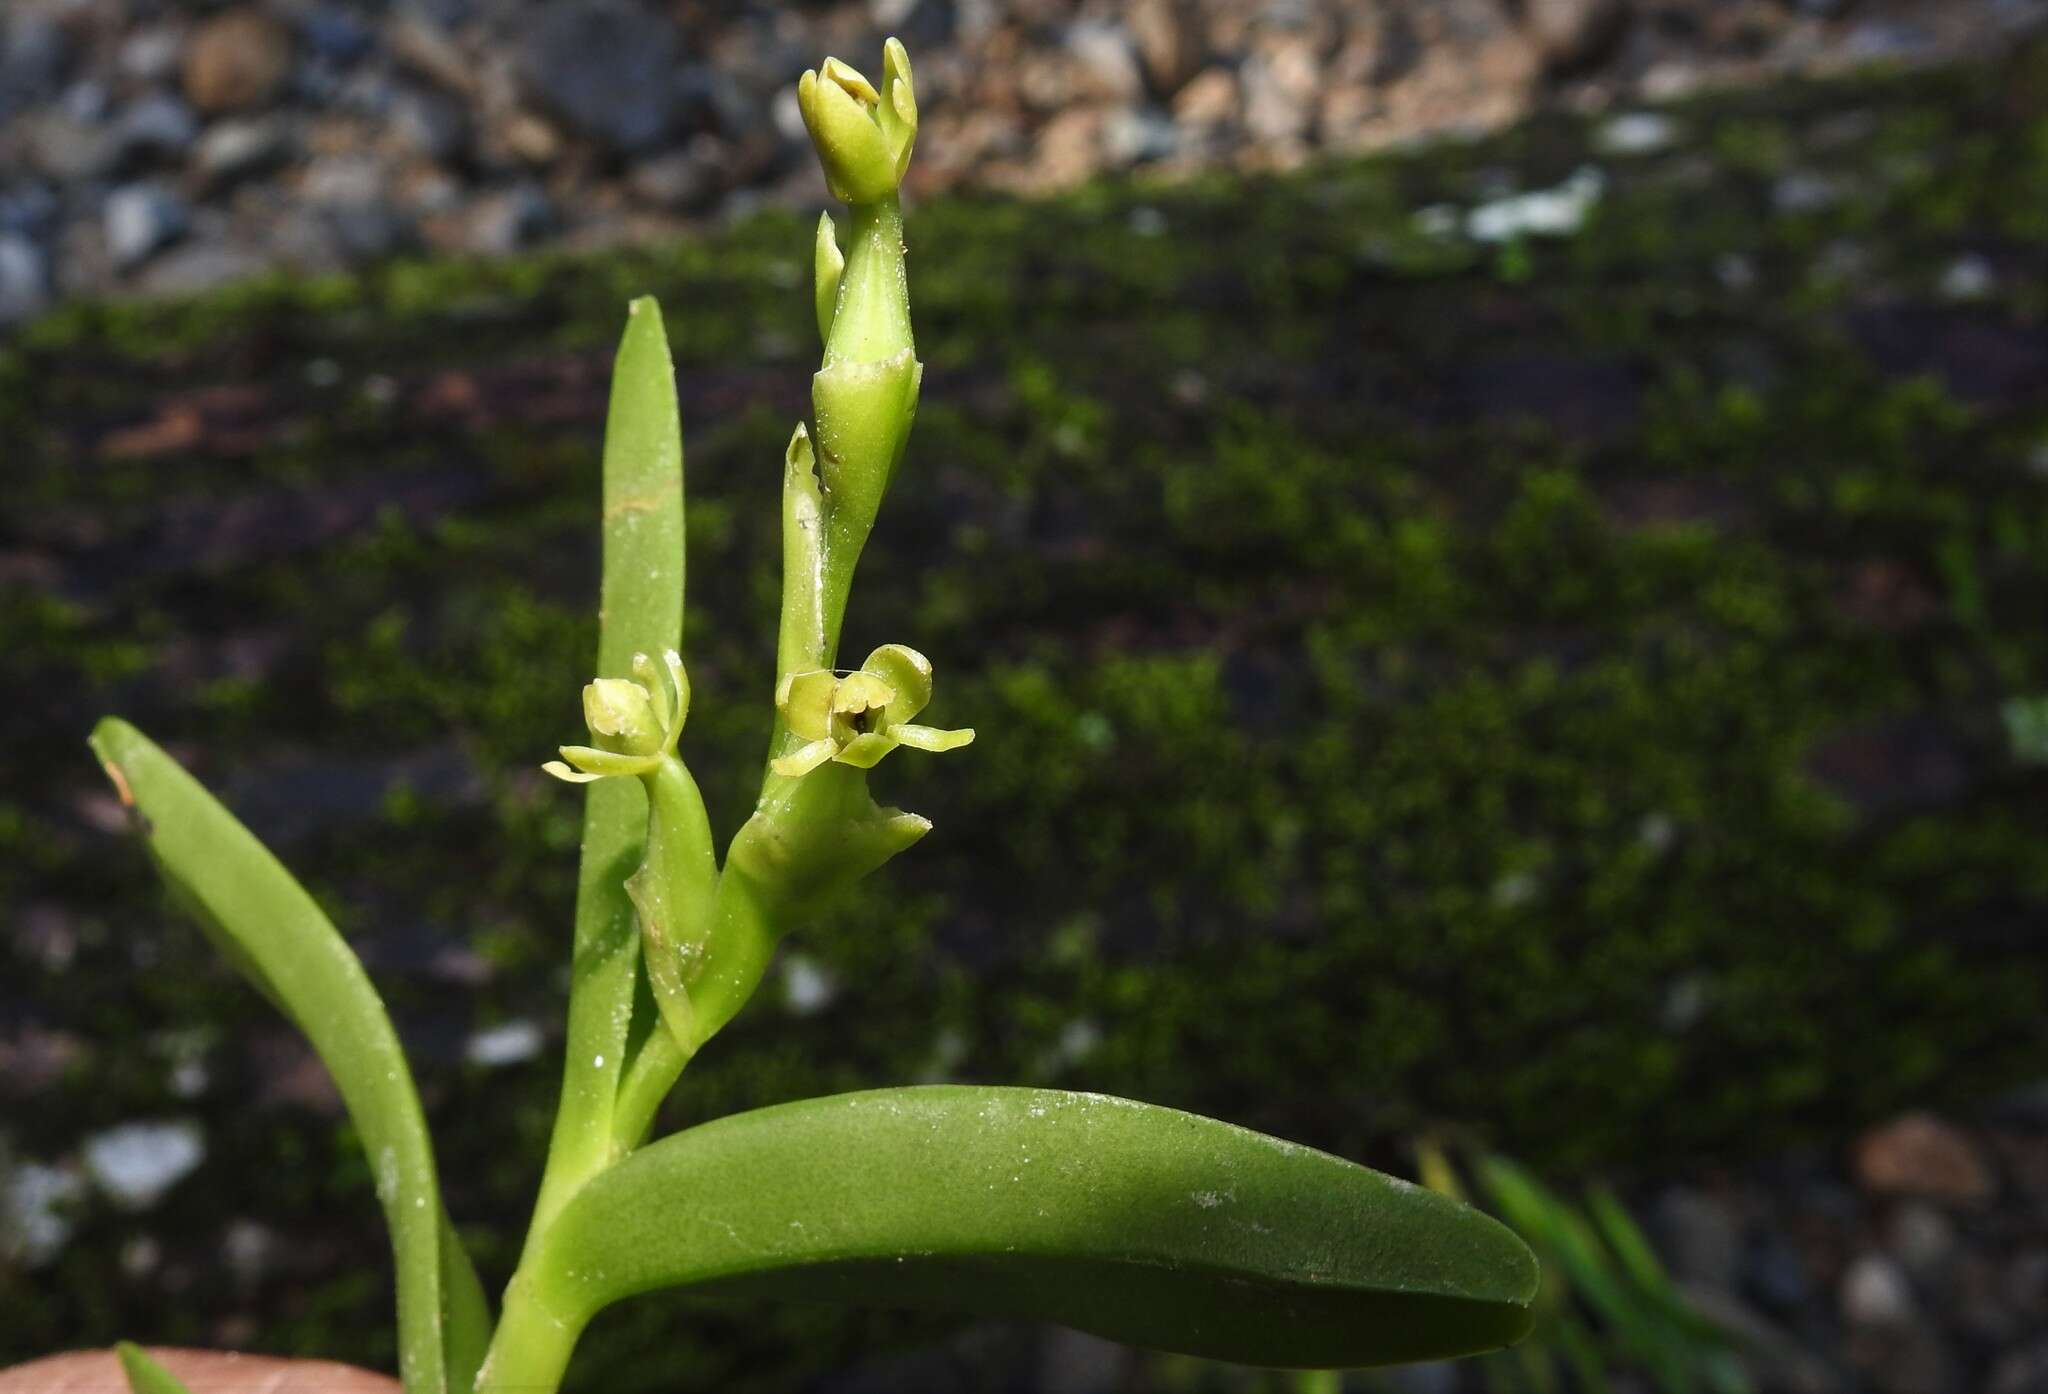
point(1138, 1223)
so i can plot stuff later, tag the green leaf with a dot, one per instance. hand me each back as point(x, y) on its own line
point(267, 924)
point(640, 610)
point(145, 1376)
point(1140, 1224)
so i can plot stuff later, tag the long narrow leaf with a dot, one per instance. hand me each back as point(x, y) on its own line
point(640, 610)
point(267, 924)
point(1137, 1223)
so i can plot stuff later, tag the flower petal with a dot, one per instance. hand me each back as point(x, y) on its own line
point(806, 703)
point(866, 750)
point(861, 692)
point(564, 773)
point(908, 672)
point(931, 737)
point(804, 759)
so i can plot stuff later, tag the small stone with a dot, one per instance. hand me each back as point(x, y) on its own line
point(681, 180)
point(336, 36)
point(508, 1043)
point(1875, 1293)
point(1773, 1274)
point(242, 146)
point(135, 1164)
point(151, 55)
point(141, 219)
point(369, 231)
point(1280, 89)
point(508, 220)
point(2023, 1371)
point(1922, 1239)
point(336, 180)
point(1636, 133)
point(1968, 278)
point(607, 69)
point(34, 56)
point(237, 61)
point(1209, 99)
point(1168, 48)
point(1805, 192)
point(1107, 58)
point(157, 126)
point(1555, 212)
point(24, 279)
point(1919, 1155)
point(36, 1204)
point(1699, 1237)
point(1574, 33)
point(68, 151)
point(531, 138)
point(432, 124)
point(807, 985)
point(29, 208)
point(1139, 135)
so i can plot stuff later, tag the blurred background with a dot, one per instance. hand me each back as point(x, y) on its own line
point(1498, 551)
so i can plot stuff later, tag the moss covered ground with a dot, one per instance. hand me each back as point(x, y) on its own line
point(1552, 687)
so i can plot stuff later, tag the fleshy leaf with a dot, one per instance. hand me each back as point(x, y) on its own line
point(1140, 1224)
point(271, 929)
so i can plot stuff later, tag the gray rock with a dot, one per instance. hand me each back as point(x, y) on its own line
point(1699, 1237)
point(335, 180)
point(241, 147)
point(1773, 1273)
point(24, 279)
point(34, 56)
point(135, 1164)
point(1572, 33)
point(1107, 58)
point(431, 123)
point(86, 100)
point(510, 219)
point(1922, 1239)
point(199, 267)
point(608, 70)
point(334, 35)
point(1138, 135)
point(370, 231)
point(140, 220)
point(157, 126)
point(68, 151)
point(150, 55)
point(1805, 192)
point(1636, 133)
point(680, 180)
point(2023, 1371)
point(1875, 1293)
point(29, 208)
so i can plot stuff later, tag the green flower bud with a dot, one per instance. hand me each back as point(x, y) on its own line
point(859, 718)
point(863, 137)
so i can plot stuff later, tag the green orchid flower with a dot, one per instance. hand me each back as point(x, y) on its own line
point(858, 718)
